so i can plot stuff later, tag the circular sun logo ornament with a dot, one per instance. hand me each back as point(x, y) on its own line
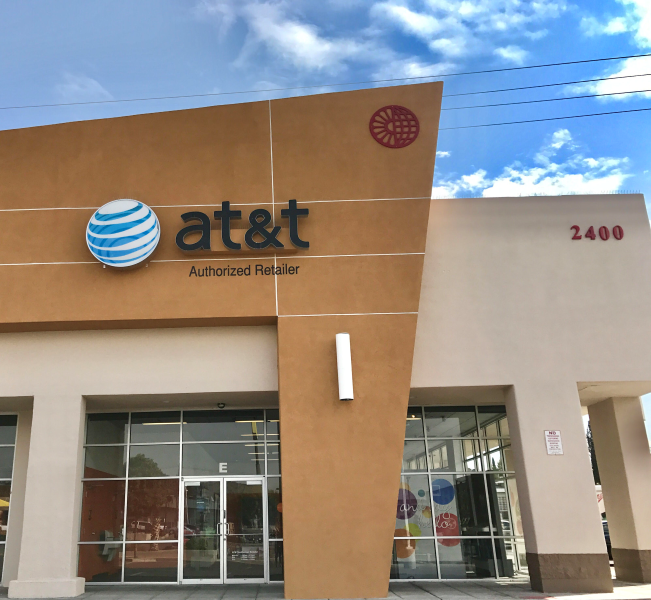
point(123, 233)
point(394, 126)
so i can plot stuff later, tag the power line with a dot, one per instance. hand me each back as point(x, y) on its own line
point(325, 85)
point(546, 100)
point(614, 112)
point(544, 85)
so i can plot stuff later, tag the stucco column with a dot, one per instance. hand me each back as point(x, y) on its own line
point(566, 551)
point(624, 460)
point(48, 555)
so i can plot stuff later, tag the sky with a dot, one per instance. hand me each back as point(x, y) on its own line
point(78, 51)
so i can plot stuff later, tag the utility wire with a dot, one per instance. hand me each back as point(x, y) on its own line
point(545, 100)
point(614, 112)
point(544, 85)
point(326, 85)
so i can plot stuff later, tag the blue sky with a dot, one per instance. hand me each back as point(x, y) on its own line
point(75, 51)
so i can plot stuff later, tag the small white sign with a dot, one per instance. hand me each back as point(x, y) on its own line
point(223, 467)
point(553, 441)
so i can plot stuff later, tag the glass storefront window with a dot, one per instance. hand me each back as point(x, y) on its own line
point(105, 462)
point(131, 485)
point(100, 563)
point(108, 428)
point(102, 511)
point(5, 494)
point(414, 428)
point(466, 485)
point(154, 461)
point(466, 558)
point(8, 424)
point(459, 421)
point(414, 457)
point(223, 459)
point(155, 427)
point(275, 508)
point(6, 462)
point(152, 509)
point(414, 512)
point(276, 561)
point(223, 426)
point(151, 563)
point(413, 559)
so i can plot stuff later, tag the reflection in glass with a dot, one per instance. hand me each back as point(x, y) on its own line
point(459, 421)
point(5, 492)
point(153, 427)
point(2, 559)
point(102, 511)
point(515, 505)
point(151, 563)
point(100, 563)
point(223, 459)
point(202, 508)
point(489, 418)
point(413, 513)
point(201, 558)
point(244, 557)
point(499, 504)
point(275, 508)
point(152, 509)
point(273, 425)
point(244, 507)
point(466, 559)
point(105, 461)
point(108, 428)
point(223, 426)
point(460, 506)
point(154, 461)
point(276, 571)
point(414, 428)
point(497, 455)
point(413, 559)
point(8, 429)
point(414, 457)
point(6, 462)
point(454, 455)
point(273, 459)
point(505, 554)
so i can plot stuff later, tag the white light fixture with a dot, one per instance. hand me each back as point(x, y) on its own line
point(344, 366)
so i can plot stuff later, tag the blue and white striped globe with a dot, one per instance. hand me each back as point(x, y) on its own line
point(123, 233)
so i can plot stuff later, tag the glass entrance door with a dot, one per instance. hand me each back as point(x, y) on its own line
point(223, 531)
point(202, 532)
point(245, 560)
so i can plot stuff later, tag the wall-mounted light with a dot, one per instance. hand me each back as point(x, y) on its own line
point(344, 366)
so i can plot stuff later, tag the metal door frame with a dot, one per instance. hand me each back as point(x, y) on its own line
point(223, 480)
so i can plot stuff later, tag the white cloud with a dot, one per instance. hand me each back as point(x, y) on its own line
point(79, 88)
point(302, 44)
point(456, 28)
point(443, 154)
point(412, 67)
point(629, 85)
point(576, 174)
point(636, 20)
point(514, 54)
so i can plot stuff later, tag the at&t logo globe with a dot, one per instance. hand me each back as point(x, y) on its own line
point(123, 233)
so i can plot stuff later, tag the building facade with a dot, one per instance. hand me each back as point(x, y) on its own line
point(168, 373)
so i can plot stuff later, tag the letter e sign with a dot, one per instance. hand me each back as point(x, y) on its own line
point(223, 467)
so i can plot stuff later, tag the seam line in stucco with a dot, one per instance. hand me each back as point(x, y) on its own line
point(273, 200)
point(232, 258)
point(214, 204)
point(351, 314)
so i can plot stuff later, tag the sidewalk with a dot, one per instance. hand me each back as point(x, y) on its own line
point(442, 590)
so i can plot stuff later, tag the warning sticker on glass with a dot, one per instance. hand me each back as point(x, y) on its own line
point(553, 441)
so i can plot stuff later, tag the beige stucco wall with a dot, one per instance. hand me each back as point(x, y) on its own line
point(508, 298)
point(140, 361)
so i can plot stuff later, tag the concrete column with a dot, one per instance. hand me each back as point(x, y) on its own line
point(624, 460)
point(17, 503)
point(48, 555)
point(566, 550)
